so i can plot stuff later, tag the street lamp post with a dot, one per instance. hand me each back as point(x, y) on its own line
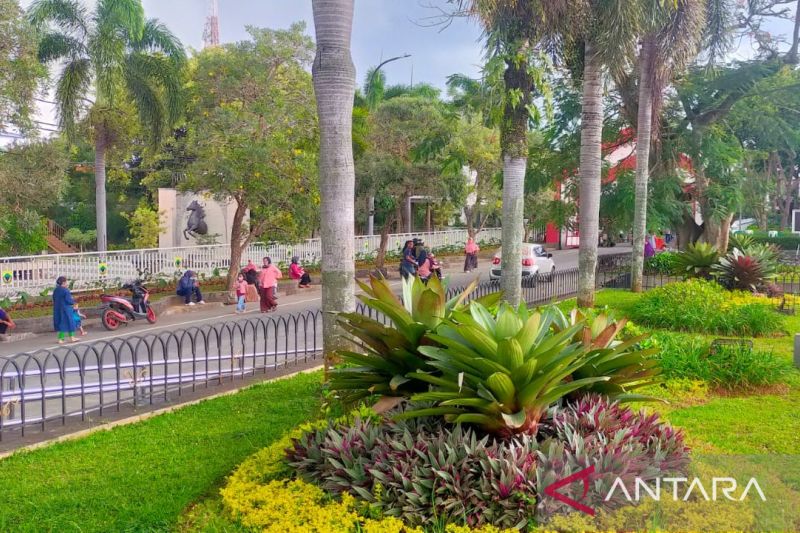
point(371, 199)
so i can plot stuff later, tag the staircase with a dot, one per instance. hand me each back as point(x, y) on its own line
point(55, 242)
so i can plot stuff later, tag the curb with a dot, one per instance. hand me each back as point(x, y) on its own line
point(145, 416)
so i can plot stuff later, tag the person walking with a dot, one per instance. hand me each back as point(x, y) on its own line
point(471, 255)
point(298, 273)
point(241, 293)
point(189, 286)
point(63, 316)
point(268, 278)
point(265, 262)
point(6, 323)
point(408, 265)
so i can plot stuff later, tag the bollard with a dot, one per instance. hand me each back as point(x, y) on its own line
point(797, 350)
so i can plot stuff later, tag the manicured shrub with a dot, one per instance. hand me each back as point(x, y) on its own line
point(706, 307)
point(424, 471)
point(784, 240)
point(730, 367)
point(661, 263)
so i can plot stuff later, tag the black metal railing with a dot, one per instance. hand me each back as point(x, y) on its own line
point(75, 382)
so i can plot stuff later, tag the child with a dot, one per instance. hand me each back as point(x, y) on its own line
point(241, 293)
point(77, 315)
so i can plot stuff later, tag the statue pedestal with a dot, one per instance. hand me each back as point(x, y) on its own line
point(172, 205)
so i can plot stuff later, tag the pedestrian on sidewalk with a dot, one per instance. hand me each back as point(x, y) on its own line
point(241, 293)
point(189, 286)
point(408, 265)
point(63, 316)
point(298, 273)
point(268, 278)
point(264, 264)
point(471, 255)
point(6, 323)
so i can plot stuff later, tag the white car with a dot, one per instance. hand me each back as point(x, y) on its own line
point(535, 261)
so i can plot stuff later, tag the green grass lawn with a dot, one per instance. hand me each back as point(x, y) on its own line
point(141, 477)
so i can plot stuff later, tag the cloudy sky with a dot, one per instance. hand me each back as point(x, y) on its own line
point(381, 28)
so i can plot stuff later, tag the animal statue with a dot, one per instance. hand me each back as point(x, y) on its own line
point(196, 224)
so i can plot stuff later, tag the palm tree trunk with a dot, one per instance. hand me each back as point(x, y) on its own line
point(514, 143)
point(513, 231)
point(334, 87)
point(590, 165)
point(643, 133)
point(100, 146)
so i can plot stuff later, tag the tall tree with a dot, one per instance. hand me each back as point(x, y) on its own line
point(671, 37)
point(121, 57)
point(606, 30)
point(20, 72)
point(514, 29)
point(252, 133)
point(334, 86)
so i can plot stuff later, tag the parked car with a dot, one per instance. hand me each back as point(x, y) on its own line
point(536, 263)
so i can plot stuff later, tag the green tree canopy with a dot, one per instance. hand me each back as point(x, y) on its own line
point(253, 134)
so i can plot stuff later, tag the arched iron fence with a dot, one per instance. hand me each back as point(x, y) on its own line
point(99, 378)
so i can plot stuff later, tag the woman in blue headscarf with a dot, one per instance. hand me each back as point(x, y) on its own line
point(63, 316)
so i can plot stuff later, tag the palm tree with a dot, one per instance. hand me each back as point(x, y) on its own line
point(605, 30)
point(514, 29)
point(672, 34)
point(334, 87)
point(119, 57)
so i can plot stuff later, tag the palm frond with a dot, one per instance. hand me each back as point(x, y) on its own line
point(148, 104)
point(156, 37)
point(67, 14)
point(718, 38)
point(54, 46)
point(73, 84)
point(159, 72)
point(123, 15)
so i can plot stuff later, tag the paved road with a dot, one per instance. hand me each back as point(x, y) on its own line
point(304, 300)
point(154, 362)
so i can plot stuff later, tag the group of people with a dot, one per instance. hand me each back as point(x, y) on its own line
point(264, 283)
point(656, 243)
point(418, 260)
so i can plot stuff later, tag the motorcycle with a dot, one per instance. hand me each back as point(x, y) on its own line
point(117, 310)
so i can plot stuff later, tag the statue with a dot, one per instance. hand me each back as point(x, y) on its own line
point(196, 224)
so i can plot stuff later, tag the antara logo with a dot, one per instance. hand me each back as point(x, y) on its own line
point(681, 489)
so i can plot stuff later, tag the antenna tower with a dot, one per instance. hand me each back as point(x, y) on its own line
point(211, 30)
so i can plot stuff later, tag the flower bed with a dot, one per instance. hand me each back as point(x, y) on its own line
point(500, 403)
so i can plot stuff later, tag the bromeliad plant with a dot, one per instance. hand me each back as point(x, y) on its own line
point(391, 353)
point(500, 373)
point(627, 365)
point(745, 272)
point(697, 260)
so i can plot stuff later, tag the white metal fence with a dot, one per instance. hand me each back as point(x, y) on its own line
point(36, 273)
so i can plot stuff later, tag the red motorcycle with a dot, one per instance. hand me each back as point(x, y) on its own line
point(118, 310)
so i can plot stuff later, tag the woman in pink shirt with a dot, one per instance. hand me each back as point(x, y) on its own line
point(471, 250)
point(268, 278)
point(298, 273)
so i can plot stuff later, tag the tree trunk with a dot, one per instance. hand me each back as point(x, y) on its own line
point(514, 143)
point(380, 260)
point(428, 218)
point(334, 87)
point(590, 165)
point(100, 146)
point(237, 244)
point(643, 133)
